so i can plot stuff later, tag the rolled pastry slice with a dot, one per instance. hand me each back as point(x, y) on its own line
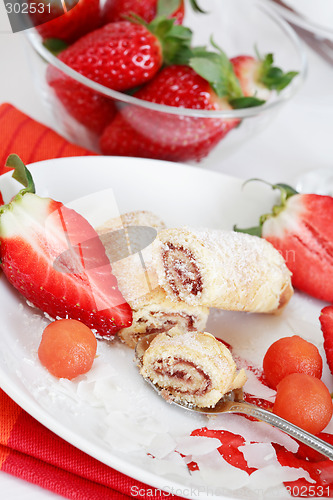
point(222, 269)
point(127, 240)
point(155, 313)
point(191, 367)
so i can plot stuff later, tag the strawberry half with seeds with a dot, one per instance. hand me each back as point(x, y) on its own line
point(66, 21)
point(301, 228)
point(244, 80)
point(55, 259)
point(326, 322)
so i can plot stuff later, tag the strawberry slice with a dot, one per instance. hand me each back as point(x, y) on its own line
point(54, 257)
point(326, 322)
point(301, 229)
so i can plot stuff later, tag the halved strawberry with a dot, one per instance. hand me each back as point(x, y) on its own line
point(54, 257)
point(326, 322)
point(301, 228)
point(258, 77)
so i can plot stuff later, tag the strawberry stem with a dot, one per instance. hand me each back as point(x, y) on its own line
point(21, 173)
point(286, 192)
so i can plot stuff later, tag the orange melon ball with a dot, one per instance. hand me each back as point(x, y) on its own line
point(291, 355)
point(304, 401)
point(68, 348)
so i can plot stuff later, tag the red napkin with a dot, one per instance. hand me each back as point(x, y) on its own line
point(31, 140)
point(27, 449)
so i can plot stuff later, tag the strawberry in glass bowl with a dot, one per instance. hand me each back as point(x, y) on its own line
point(176, 86)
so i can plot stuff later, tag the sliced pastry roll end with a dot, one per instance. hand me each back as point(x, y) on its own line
point(191, 367)
point(222, 269)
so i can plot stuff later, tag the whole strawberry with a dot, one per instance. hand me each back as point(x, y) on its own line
point(117, 10)
point(126, 54)
point(80, 17)
point(55, 259)
point(146, 133)
point(301, 228)
point(258, 77)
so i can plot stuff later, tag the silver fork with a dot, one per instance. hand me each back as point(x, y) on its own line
point(233, 402)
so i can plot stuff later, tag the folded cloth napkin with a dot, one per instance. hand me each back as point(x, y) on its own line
point(28, 449)
point(31, 140)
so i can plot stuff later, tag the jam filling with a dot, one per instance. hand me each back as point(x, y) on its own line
point(180, 374)
point(181, 270)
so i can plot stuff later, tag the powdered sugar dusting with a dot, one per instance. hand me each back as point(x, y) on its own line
point(225, 269)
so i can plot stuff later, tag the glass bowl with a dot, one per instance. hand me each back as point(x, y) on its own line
point(154, 130)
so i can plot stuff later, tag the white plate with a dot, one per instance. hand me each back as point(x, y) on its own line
point(111, 413)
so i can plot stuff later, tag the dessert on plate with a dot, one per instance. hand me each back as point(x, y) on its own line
point(152, 310)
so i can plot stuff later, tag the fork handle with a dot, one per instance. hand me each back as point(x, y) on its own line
point(282, 424)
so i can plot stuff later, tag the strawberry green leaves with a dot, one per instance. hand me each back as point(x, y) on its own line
point(21, 173)
point(196, 7)
point(167, 7)
point(55, 45)
point(246, 102)
point(273, 77)
point(216, 68)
